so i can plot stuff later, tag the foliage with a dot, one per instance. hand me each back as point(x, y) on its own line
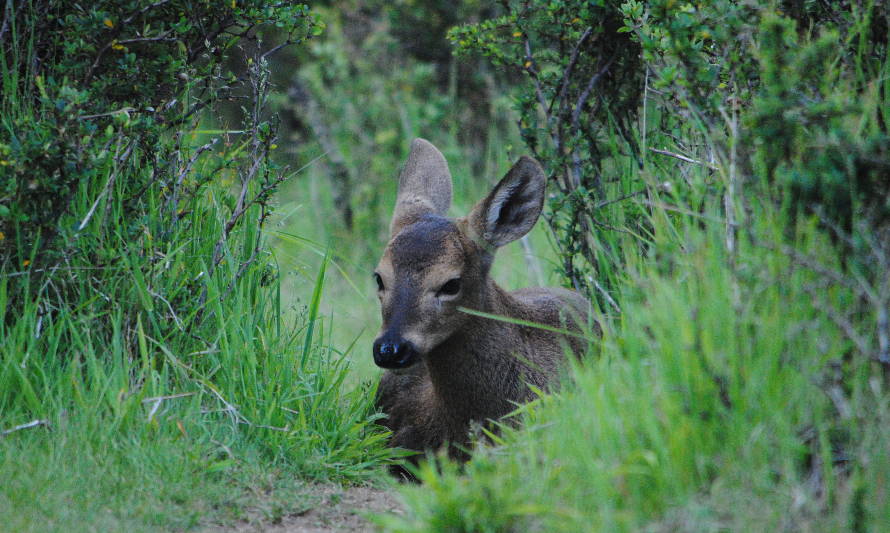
point(738, 251)
point(76, 81)
point(141, 312)
point(583, 87)
point(712, 66)
point(707, 407)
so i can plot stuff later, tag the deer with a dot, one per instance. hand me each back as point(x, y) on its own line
point(449, 370)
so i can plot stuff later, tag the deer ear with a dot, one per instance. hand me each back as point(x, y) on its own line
point(424, 186)
point(511, 209)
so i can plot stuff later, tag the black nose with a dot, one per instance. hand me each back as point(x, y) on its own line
point(393, 352)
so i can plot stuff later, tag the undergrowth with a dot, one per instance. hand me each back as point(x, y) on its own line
point(150, 376)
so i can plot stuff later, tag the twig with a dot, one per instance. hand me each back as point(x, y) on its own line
point(539, 92)
point(591, 83)
point(684, 158)
point(567, 73)
point(609, 299)
point(108, 114)
point(604, 203)
point(109, 184)
point(174, 202)
point(31, 424)
point(159, 399)
point(160, 38)
point(143, 11)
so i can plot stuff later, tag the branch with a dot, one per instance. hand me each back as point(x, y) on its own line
point(31, 424)
point(108, 185)
point(682, 157)
point(567, 73)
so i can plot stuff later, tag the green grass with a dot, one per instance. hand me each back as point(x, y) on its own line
point(173, 395)
point(162, 438)
point(173, 391)
point(698, 413)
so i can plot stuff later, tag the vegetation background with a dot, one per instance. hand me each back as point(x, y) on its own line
point(193, 194)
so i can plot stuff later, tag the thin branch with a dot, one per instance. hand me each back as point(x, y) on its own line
point(109, 184)
point(539, 92)
point(143, 11)
point(160, 399)
point(684, 158)
point(188, 168)
point(567, 73)
point(31, 424)
point(591, 83)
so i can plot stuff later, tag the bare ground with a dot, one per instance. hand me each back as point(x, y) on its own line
point(337, 509)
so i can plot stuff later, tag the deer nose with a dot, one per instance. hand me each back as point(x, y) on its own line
point(394, 353)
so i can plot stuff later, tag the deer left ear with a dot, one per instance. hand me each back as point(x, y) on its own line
point(424, 186)
point(511, 209)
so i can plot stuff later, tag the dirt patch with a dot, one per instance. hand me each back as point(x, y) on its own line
point(338, 509)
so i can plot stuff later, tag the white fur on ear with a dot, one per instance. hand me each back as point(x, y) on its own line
point(424, 185)
point(513, 206)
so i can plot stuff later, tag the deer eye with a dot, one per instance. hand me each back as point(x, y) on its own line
point(450, 288)
point(379, 281)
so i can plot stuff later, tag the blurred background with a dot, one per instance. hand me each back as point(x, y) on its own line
point(350, 102)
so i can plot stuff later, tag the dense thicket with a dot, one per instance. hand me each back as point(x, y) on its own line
point(771, 89)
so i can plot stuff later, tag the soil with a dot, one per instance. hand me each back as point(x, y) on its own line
point(339, 510)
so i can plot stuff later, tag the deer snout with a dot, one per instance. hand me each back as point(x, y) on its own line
point(394, 352)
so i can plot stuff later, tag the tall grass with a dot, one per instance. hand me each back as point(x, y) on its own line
point(705, 408)
point(146, 339)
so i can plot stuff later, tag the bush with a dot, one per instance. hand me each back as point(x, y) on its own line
point(88, 93)
point(695, 75)
point(137, 292)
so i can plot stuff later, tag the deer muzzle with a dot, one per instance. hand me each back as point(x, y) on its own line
point(393, 352)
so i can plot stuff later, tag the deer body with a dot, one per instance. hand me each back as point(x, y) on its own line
point(448, 369)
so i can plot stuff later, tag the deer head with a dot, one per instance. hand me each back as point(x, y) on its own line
point(433, 265)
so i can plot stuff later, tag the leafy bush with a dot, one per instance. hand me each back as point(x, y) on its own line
point(694, 74)
point(92, 90)
point(583, 89)
point(138, 297)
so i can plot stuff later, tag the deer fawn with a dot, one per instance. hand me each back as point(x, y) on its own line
point(447, 369)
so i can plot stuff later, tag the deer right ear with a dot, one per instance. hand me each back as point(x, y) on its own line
point(424, 186)
point(512, 208)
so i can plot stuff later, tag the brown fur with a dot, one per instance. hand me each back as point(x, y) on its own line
point(469, 369)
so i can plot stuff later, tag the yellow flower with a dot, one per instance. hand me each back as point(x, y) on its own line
point(108, 23)
point(517, 34)
point(26, 262)
point(528, 64)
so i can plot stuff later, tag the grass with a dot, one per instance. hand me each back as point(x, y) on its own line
point(700, 412)
point(174, 396)
point(173, 388)
point(163, 439)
